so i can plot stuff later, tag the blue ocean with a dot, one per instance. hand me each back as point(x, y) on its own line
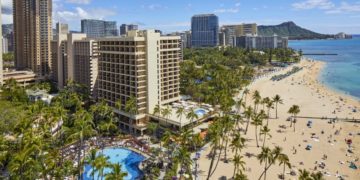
point(342, 72)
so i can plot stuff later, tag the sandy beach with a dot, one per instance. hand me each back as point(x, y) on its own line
point(315, 100)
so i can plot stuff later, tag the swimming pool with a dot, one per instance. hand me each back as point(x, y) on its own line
point(200, 112)
point(128, 159)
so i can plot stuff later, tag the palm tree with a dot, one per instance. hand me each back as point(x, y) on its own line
point(265, 131)
point(257, 99)
point(284, 160)
point(115, 173)
point(90, 159)
point(237, 144)
point(257, 121)
point(180, 112)
point(184, 157)
point(239, 165)
point(132, 109)
point(192, 116)
point(166, 138)
point(157, 110)
point(269, 105)
point(118, 104)
point(317, 176)
point(166, 112)
point(101, 162)
point(214, 136)
point(246, 93)
point(83, 128)
point(277, 100)
point(152, 127)
point(248, 114)
point(265, 156)
point(304, 174)
point(294, 110)
point(274, 155)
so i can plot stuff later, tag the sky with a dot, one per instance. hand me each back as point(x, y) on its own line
point(323, 16)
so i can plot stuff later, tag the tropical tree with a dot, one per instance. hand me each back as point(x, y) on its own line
point(101, 162)
point(269, 106)
point(266, 157)
point(266, 132)
point(257, 120)
point(83, 129)
point(184, 158)
point(294, 110)
point(277, 100)
point(304, 174)
point(152, 127)
point(131, 108)
point(257, 100)
point(115, 173)
point(90, 159)
point(317, 176)
point(248, 114)
point(157, 110)
point(214, 136)
point(180, 112)
point(166, 112)
point(284, 160)
point(192, 116)
point(246, 93)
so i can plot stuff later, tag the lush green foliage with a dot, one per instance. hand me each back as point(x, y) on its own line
point(33, 135)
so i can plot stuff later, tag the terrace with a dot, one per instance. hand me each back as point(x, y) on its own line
point(174, 121)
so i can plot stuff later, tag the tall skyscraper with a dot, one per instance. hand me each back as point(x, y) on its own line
point(144, 65)
point(124, 28)
point(1, 59)
point(98, 28)
point(204, 30)
point(32, 35)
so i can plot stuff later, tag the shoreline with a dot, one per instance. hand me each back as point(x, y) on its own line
point(304, 89)
point(331, 88)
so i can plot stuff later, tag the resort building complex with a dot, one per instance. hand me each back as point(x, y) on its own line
point(261, 42)
point(73, 58)
point(98, 28)
point(230, 32)
point(33, 33)
point(142, 66)
point(205, 30)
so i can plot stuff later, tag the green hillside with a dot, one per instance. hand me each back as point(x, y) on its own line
point(291, 30)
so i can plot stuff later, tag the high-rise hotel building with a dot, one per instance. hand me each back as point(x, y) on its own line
point(73, 58)
point(33, 33)
point(204, 30)
point(232, 31)
point(144, 65)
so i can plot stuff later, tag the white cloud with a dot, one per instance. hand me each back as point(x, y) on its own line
point(313, 4)
point(78, 1)
point(230, 10)
point(74, 17)
point(345, 8)
point(154, 7)
point(6, 6)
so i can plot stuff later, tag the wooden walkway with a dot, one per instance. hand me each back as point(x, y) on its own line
point(331, 118)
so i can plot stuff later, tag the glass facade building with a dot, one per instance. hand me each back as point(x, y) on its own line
point(98, 28)
point(205, 30)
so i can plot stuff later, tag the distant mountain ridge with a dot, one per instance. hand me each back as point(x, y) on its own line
point(291, 30)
